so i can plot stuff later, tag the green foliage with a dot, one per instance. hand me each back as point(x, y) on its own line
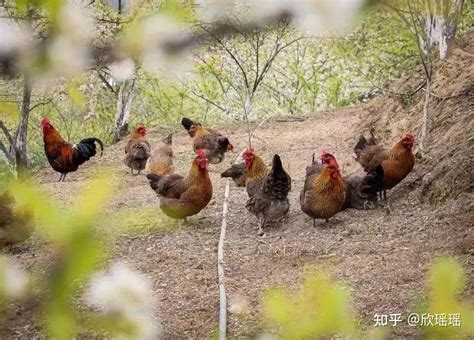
point(79, 249)
point(320, 309)
point(446, 283)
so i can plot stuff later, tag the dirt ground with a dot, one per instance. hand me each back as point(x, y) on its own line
point(382, 254)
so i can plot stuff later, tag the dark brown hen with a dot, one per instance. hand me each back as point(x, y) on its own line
point(361, 190)
point(268, 191)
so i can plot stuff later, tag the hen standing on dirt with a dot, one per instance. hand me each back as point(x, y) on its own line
point(268, 191)
point(324, 190)
point(65, 157)
point(397, 163)
point(180, 196)
point(137, 150)
point(161, 161)
point(215, 144)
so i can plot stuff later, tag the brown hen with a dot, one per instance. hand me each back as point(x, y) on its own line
point(215, 144)
point(137, 150)
point(161, 161)
point(180, 196)
point(324, 190)
point(397, 163)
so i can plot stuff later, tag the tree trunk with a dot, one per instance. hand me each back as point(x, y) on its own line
point(124, 105)
point(21, 135)
point(441, 27)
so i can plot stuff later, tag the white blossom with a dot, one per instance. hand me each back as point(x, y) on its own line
point(211, 10)
point(13, 37)
point(156, 32)
point(126, 293)
point(123, 69)
point(13, 280)
point(120, 290)
point(75, 22)
point(323, 16)
point(67, 57)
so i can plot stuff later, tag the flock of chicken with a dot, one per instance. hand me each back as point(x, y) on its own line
point(324, 194)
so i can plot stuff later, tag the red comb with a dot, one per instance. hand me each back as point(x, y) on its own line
point(201, 153)
point(44, 121)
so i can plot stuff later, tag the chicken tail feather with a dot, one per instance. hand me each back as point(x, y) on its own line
point(154, 180)
point(86, 149)
point(373, 181)
point(360, 146)
point(278, 182)
point(187, 123)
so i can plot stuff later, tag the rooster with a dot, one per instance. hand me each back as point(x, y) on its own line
point(212, 141)
point(137, 150)
point(161, 161)
point(397, 163)
point(324, 190)
point(16, 221)
point(238, 173)
point(180, 196)
point(63, 156)
point(267, 190)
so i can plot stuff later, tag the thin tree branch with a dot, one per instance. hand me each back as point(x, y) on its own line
point(40, 104)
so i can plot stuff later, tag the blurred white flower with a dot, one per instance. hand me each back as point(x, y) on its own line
point(125, 292)
point(67, 57)
point(267, 8)
point(69, 50)
point(150, 41)
point(121, 290)
point(14, 37)
point(75, 22)
point(13, 280)
point(323, 16)
point(211, 10)
point(123, 69)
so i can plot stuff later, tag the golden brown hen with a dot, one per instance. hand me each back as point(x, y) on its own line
point(161, 161)
point(180, 196)
point(324, 190)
